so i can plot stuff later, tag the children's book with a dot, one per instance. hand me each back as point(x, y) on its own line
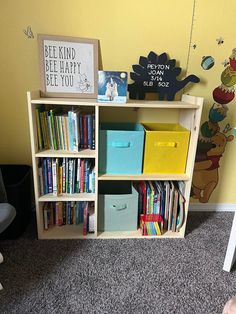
point(112, 86)
point(171, 203)
point(181, 209)
point(143, 188)
point(167, 200)
point(175, 209)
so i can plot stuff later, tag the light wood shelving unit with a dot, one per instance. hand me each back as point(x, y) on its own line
point(187, 112)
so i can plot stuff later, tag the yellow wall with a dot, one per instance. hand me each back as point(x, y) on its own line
point(126, 30)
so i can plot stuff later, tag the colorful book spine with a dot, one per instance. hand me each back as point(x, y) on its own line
point(85, 223)
point(93, 131)
point(39, 129)
point(89, 130)
point(54, 177)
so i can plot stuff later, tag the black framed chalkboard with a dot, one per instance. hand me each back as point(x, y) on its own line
point(157, 74)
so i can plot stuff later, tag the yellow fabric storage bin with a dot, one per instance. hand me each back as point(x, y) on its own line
point(166, 148)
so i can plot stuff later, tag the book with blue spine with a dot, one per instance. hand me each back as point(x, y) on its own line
point(49, 175)
point(93, 131)
point(89, 124)
point(112, 86)
point(45, 176)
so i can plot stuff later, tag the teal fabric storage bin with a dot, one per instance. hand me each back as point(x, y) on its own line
point(118, 212)
point(121, 148)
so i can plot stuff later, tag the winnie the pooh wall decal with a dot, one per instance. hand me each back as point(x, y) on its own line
point(206, 176)
point(157, 74)
point(212, 142)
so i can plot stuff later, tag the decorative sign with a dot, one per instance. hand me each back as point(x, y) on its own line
point(69, 66)
point(157, 74)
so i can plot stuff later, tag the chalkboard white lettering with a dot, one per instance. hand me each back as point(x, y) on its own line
point(163, 84)
point(146, 83)
point(156, 78)
point(154, 72)
point(157, 74)
point(158, 66)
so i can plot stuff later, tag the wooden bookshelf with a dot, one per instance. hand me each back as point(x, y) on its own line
point(186, 112)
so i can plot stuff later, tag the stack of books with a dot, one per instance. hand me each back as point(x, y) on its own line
point(66, 175)
point(162, 198)
point(65, 130)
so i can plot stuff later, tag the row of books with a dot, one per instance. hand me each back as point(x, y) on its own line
point(151, 224)
point(66, 175)
point(164, 198)
point(65, 130)
point(69, 213)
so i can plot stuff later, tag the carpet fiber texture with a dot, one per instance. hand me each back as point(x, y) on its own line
point(169, 276)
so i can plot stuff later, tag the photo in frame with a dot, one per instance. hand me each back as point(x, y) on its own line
point(68, 66)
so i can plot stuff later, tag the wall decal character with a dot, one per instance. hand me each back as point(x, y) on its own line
point(211, 141)
point(205, 176)
point(28, 32)
point(83, 84)
point(225, 63)
point(220, 40)
point(207, 62)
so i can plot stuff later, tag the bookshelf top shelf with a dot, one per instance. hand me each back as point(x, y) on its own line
point(36, 99)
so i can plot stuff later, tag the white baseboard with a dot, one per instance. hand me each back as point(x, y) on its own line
point(209, 207)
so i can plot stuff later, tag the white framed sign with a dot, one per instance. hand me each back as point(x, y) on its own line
point(68, 66)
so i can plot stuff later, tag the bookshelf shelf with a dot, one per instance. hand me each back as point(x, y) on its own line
point(84, 153)
point(186, 112)
point(160, 177)
point(36, 99)
point(135, 235)
point(68, 197)
point(65, 232)
point(144, 104)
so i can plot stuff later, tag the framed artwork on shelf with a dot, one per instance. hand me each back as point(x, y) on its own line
point(68, 66)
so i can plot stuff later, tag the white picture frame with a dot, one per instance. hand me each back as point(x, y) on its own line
point(68, 66)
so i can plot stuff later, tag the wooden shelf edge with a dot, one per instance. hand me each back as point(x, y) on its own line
point(85, 153)
point(136, 235)
point(47, 235)
point(184, 104)
point(65, 232)
point(156, 177)
point(68, 197)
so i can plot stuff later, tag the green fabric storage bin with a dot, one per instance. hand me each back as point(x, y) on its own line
point(118, 206)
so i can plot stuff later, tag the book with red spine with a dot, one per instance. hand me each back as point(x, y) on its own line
point(82, 176)
point(85, 224)
point(144, 196)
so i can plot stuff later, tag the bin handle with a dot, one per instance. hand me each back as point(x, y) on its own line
point(119, 207)
point(120, 144)
point(166, 144)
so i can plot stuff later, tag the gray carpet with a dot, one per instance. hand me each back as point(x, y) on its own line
point(120, 276)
